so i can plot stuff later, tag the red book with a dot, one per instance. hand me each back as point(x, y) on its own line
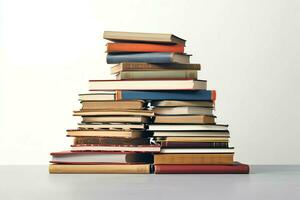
point(237, 168)
point(142, 47)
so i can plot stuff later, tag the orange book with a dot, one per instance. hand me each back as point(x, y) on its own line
point(142, 47)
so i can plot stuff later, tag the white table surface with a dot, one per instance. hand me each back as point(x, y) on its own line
point(265, 182)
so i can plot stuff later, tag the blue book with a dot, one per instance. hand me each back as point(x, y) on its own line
point(148, 58)
point(184, 95)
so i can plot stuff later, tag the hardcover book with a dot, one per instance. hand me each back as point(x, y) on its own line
point(166, 74)
point(143, 47)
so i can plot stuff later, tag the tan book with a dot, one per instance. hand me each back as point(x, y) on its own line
point(99, 169)
point(184, 119)
point(170, 103)
point(112, 141)
point(115, 119)
point(111, 126)
point(106, 133)
point(146, 113)
point(167, 74)
point(166, 38)
point(199, 159)
point(113, 105)
point(183, 110)
point(146, 67)
point(98, 96)
point(194, 139)
point(172, 133)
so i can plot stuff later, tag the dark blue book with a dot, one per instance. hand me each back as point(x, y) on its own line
point(148, 58)
point(195, 95)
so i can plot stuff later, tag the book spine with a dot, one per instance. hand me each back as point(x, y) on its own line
point(199, 95)
point(139, 57)
point(139, 47)
point(98, 169)
point(179, 74)
point(201, 169)
point(194, 144)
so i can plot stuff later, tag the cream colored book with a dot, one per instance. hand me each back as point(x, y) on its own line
point(111, 126)
point(113, 105)
point(184, 119)
point(114, 119)
point(106, 133)
point(147, 113)
point(172, 103)
point(167, 74)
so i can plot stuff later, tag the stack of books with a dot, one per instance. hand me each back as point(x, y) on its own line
point(157, 116)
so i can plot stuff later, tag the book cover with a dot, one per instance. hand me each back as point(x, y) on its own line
point(143, 47)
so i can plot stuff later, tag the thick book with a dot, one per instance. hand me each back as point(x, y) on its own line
point(112, 141)
point(172, 103)
point(197, 150)
point(200, 159)
point(236, 168)
point(183, 110)
point(192, 139)
point(148, 58)
point(106, 133)
point(99, 96)
point(116, 147)
point(166, 74)
point(121, 126)
point(188, 127)
point(115, 119)
point(97, 157)
point(98, 112)
point(166, 144)
point(143, 47)
point(197, 95)
point(173, 133)
point(152, 84)
point(113, 105)
point(100, 169)
point(141, 66)
point(166, 38)
point(184, 119)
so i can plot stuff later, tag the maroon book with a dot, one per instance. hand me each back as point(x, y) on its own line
point(236, 168)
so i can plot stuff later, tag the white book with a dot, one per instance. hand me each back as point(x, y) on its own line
point(191, 134)
point(98, 96)
point(186, 110)
point(196, 127)
point(196, 150)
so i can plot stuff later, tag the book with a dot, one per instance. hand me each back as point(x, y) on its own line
point(197, 150)
point(191, 134)
point(147, 113)
point(172, 103)
point(148, 58)
point(236, 168)
point(155, 84)
point(97, 157)
point(143, 47)
point(166, 74)
point(106, 133)
point(113, 105)
point(183, 110)
point(99, 96)
point(117, 36)
point(188, 127)
point(116, 141)
point(114, 119)
point(166, 144)
point(198, 95)
point(184, 119)
point(110, 126)
point(146, 67)
point(119, 147)
point(195, 159)
point(192, 139)
point(99, 169)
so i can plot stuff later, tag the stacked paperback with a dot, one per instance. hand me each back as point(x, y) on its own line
point(155, 117)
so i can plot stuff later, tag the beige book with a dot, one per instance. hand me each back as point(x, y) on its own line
point(183, 110)
point(113, 105)
point(171, 103)
point(106, 133)
point(168, 74)
point(98, 96)
point(184, 119)
point(111, 126)
point(99, 169)
point(115, 119)
point(147, 113)
point(194, 139)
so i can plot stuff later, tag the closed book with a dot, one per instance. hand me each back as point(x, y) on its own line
point(113, 105)
point(143, 47)
point(200, 159)
point(236, 168)
point(142, 66)
point(151, 84)
point(192, 139)
point(114, 119)
point(99, 169)
point(198, 95)
point(173, 133)
point(106, 133)
point(196, 150)
point(99, 96)
point(99, 112)
point(166, 38)
point(148, 58)
point(116, 147)
point(188, 127)
point(167, 74)
point(116, 141)
point(172, 103)
point(183, 110)
point(184, 119)
point(97, 157)
point(121, 126)
point(165, 144)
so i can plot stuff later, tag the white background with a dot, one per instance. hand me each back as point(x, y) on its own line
point(249, 51)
